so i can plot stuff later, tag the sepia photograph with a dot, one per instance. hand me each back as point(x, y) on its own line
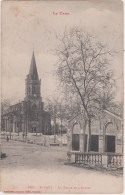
point(62, 97)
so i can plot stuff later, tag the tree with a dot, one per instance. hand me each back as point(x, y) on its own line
point(84, 70)
point(51, 107)
point(61, 110)
point(72, 105)
point(5, 104)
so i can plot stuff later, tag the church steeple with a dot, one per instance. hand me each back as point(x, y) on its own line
point(32, 81)
point(33, 69)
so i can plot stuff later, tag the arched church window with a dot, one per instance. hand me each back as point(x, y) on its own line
point(34, 107)
point(34, 89)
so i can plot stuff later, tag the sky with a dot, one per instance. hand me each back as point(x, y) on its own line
point(31, 25)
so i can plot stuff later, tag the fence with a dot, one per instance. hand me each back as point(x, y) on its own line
point(106, 159)
point(88, 158)
point(115, 160)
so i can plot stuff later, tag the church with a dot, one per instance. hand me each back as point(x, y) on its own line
point(28, 116)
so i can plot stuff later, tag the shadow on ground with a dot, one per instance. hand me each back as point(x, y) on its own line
point(107, 170)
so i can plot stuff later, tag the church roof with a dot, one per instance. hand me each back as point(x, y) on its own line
point(33, 69)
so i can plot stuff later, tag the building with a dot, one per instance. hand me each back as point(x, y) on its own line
point(28, 115)
point(106, 133)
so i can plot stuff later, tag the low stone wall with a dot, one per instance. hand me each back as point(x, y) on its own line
point(96, 159)
point(39, 139)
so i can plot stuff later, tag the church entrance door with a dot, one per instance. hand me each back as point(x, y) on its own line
point(33, 129)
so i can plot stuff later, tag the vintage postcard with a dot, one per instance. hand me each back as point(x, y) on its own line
point(62, 97)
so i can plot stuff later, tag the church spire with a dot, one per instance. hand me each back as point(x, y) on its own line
point(33, 69)
point(32, 81)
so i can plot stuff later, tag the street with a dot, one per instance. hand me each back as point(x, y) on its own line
point(37, 169)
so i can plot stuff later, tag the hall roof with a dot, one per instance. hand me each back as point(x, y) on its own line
point(106, 111)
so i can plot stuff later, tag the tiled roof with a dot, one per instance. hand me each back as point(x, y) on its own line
point(106, 111)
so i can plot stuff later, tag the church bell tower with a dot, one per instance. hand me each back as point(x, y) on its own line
point(32, 82)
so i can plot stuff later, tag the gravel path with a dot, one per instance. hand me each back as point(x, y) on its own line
point(36, 169)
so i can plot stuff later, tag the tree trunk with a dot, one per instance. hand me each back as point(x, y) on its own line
point(54, 126)
point(18, 131)
point(54, 129)
point(89, 140)
point(61, 127)
point(10, 134)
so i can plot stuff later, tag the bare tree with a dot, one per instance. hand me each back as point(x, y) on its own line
point(52, 108)
point(61, 114)
point(5, 104)
point(83, 68)
point(61, 110)
point(72, 105)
